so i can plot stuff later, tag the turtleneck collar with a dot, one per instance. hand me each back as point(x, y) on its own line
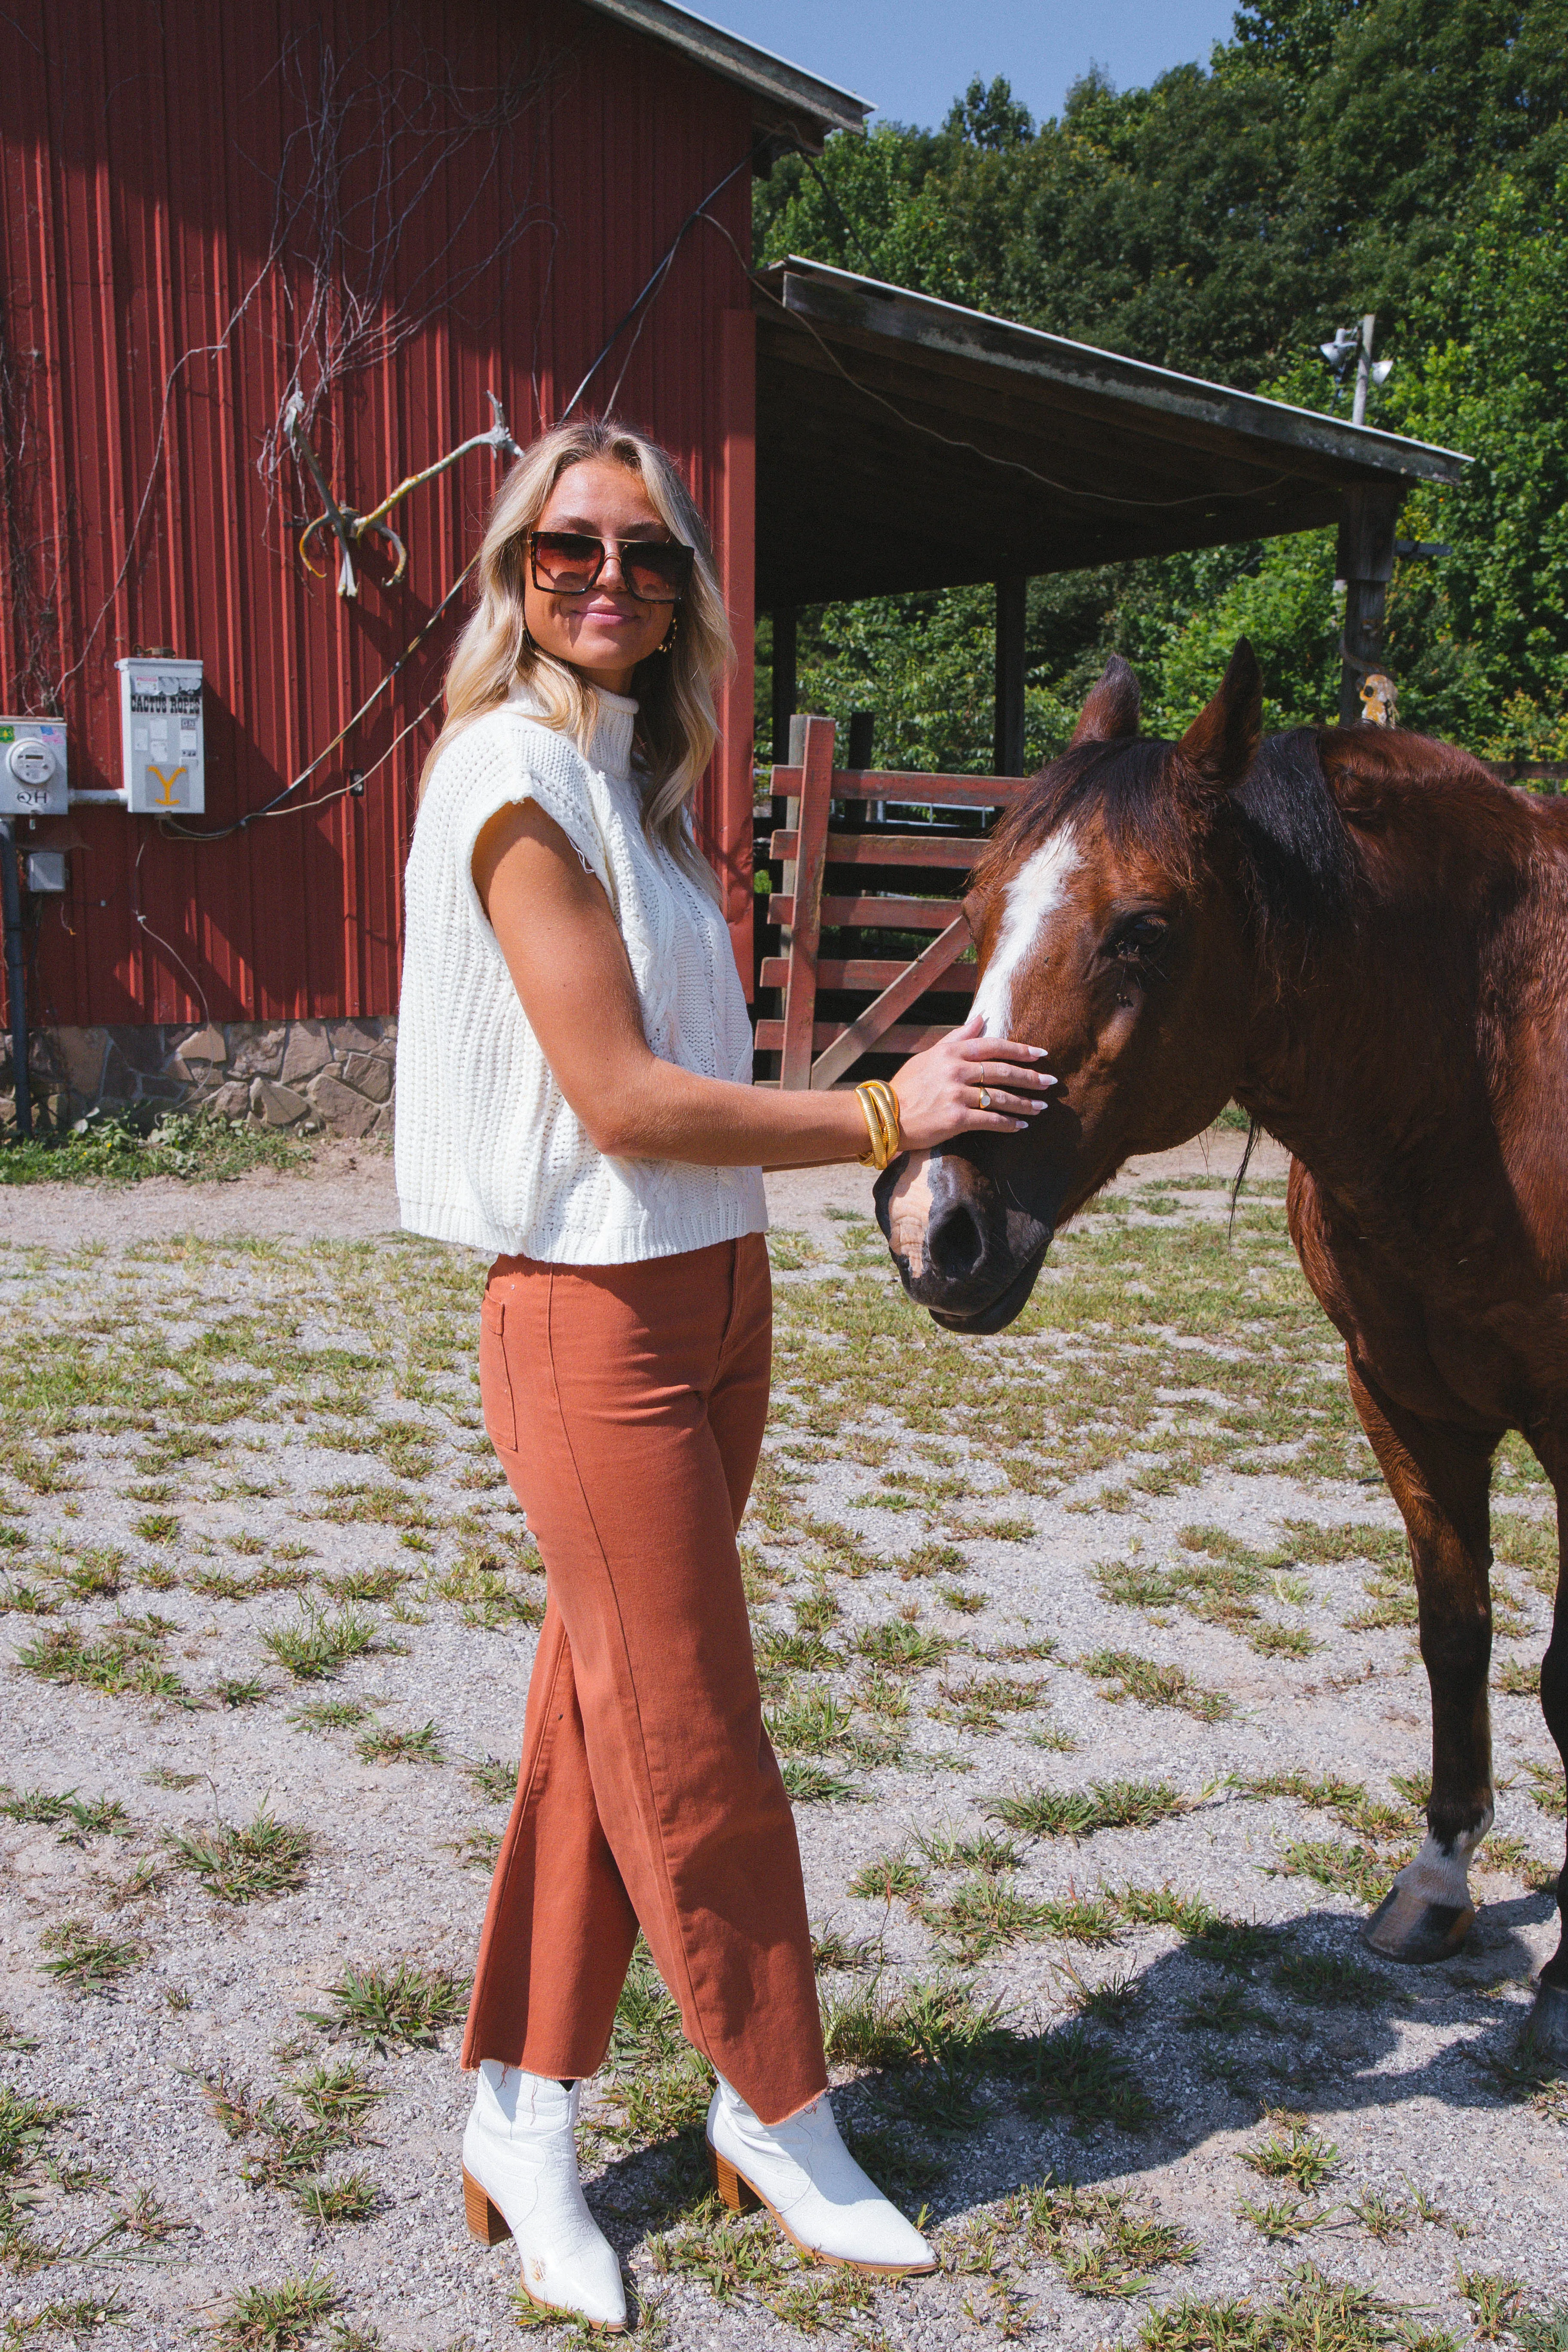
point(609, 744)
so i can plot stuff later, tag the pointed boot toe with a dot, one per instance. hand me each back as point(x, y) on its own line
point(806, 2177)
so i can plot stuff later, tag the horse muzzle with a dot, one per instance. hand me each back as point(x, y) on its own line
point(964, 1251)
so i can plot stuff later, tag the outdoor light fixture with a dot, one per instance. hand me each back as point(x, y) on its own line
point(1355, 344)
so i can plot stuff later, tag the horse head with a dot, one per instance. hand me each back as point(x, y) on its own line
point(1105, 916)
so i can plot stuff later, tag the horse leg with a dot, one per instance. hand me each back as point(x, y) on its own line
point(1549, 2019)
point(1441, 1479)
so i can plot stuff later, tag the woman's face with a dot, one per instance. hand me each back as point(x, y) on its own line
point(607, 630)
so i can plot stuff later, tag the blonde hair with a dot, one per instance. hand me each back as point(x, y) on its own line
point(676, 727)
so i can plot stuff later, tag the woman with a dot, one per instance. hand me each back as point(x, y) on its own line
point(573, 1064)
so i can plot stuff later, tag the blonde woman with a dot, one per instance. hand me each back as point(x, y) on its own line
point(573, 1070)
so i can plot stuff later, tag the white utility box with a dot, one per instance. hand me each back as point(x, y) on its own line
point(33, 767)
point(163, 761)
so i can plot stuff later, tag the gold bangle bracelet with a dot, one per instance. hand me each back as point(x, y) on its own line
point(872, 1115)
point(878, 1155)
point(880, 1104)
point(892, 1116)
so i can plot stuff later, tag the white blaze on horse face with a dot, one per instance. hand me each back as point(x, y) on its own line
point(1034, 893)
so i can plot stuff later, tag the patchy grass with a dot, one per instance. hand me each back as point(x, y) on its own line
point(1156, 1685)
point(404, 2007)
point(125, 1660)
point(86, 1961)
point(243, 1863)
point(123, 1147)
point(319, 1644)
point(1293, 2153)
point(1082, 1813)
point(276, 2319)
point(385, 1745)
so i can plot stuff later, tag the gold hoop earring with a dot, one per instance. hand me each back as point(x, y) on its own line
point(670, 635)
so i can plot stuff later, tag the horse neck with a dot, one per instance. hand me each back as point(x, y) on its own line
point(1365, 1051)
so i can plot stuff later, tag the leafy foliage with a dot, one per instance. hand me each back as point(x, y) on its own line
point(1334, 157)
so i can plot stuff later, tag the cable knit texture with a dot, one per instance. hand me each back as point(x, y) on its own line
point(488, 1150)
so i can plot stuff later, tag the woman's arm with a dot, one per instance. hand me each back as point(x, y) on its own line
point(569, 965)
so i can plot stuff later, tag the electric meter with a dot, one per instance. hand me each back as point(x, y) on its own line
point(32, 767)
point(162, 755)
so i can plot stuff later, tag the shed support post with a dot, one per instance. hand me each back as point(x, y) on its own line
point(1012, 607)
point(806, 932)
point(786, 640)
point(1364, 561)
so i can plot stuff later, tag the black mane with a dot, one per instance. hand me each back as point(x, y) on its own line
point(1298, 857)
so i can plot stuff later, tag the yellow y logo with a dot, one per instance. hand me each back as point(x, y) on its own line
point(165, 796)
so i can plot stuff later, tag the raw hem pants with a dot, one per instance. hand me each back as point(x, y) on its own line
point(628, 1404)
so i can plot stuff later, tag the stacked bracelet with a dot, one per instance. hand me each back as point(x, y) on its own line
point(881, 1106)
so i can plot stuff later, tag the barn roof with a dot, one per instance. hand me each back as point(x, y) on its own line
point(908, 442)
point(786, 97)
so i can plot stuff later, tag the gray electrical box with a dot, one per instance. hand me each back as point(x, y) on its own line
point(162, 751)
point(33, 780)
point(44, 869)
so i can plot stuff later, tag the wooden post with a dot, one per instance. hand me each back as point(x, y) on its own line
point(1364, 561)
point(1012, 608)
point(805, 934)
point(786, 640)
point(862, 737)
point(733, 792)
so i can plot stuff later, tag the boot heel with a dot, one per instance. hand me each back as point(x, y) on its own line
point(738, 2195)
point(485, 2219)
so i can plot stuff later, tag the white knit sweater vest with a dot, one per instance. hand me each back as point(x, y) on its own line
point(488, 1150)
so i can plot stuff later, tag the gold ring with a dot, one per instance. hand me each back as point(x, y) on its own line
point(985, 1095)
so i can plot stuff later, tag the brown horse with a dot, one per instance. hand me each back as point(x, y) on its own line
point(1364, 940)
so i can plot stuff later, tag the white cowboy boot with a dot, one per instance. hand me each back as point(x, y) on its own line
point(801, 2172)
point(520, 2180)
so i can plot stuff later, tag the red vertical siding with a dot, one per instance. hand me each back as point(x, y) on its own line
point(148, 344)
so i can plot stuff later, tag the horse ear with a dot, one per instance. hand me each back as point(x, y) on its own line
point(1113, 707)
point(1222, 741)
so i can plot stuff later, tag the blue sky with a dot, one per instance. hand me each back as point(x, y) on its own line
point(912, 57)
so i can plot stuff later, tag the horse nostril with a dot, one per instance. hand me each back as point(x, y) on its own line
point(954, 1243)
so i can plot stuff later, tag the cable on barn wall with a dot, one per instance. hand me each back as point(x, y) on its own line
point(331, 260)
point(501, 440)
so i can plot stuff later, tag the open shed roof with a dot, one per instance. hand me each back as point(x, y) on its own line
point(786, 97)
point(907, 443)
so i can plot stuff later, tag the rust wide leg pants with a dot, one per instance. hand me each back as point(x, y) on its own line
point(626, 1404)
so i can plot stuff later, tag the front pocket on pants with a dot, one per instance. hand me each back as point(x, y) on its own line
point(496, 1401)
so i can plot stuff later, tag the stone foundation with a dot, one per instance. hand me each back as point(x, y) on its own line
point(313, 1076)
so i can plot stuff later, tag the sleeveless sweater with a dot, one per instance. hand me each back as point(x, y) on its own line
point(488, 1149)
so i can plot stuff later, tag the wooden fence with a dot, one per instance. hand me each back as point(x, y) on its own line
point(851, 898)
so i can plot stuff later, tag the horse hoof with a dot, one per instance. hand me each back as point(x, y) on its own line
point(1405, 1926)
point(1548, 2028)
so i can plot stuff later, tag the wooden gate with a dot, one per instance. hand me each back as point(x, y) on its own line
point(873, 882)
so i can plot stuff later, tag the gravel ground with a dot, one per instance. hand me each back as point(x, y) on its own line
point(1127, 1564)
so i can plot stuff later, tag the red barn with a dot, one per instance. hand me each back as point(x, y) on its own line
point(263, 267)
point(377, 217)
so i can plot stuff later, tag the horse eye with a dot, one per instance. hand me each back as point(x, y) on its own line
point(1138, 938)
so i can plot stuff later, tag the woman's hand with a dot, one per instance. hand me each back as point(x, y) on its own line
point(966, 1082)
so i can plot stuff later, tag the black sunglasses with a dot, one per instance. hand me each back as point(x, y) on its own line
point(569, 563)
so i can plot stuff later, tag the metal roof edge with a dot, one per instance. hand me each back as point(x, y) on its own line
point(788, 86)
point(954, 326)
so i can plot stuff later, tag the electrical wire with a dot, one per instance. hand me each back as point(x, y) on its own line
point(639, 311)
point(173, 953)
